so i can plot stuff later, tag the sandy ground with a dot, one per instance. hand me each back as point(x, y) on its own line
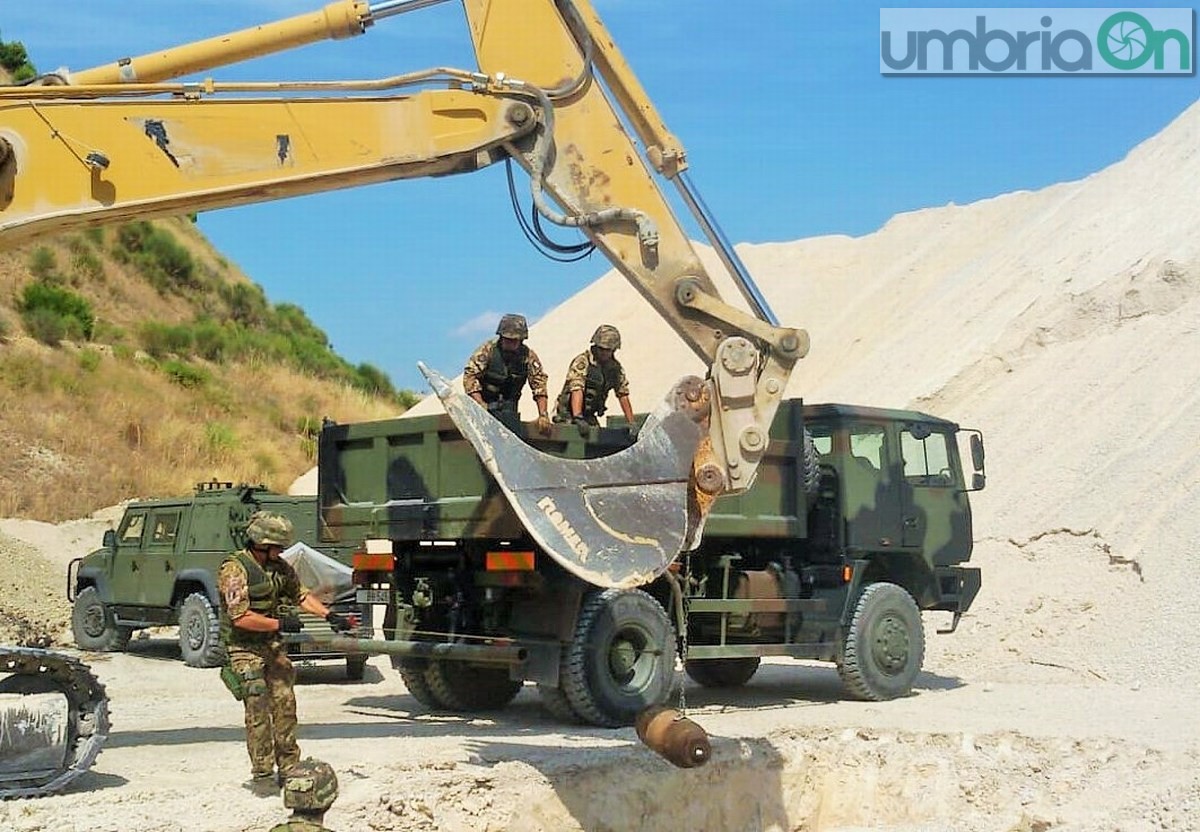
point(1065, 324)
point(1036, 722)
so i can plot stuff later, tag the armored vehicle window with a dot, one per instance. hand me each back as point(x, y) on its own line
point(866, 443)
point(131, 530)
point(822, 444)
point(165, 527)
point(926, 461)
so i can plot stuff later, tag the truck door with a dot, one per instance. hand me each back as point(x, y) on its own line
point(128, 551)
point(870, 497)
point(937, 516)
point(157, 563)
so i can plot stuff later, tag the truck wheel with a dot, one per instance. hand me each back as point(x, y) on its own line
point(884, 645)
point(621, 659)
point(93, 624)
point(200, 632)
point(356, 668)
point(413, 675)
point(722, 673)
point(458, 686)
point(557, 704)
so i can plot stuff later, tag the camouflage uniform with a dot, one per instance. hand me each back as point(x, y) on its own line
point(260, 659)
point(308, 790)
point(499, 376)
point(299, 825)
point(596, 380)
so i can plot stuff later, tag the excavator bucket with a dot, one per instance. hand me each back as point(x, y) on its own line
point(615, 521)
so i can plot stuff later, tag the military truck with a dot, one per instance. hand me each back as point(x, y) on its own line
point(159, 568)
point(859, 520)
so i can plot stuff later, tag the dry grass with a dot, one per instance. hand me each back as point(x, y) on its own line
point(75, 439)
point(84, 428)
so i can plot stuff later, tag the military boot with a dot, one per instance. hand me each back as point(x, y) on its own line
point(262, 785)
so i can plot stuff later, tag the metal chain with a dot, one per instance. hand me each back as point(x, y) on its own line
point(683, 637)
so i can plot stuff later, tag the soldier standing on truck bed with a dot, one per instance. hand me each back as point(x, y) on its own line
point(499, 369)
point(260, 594)
point(592, 375)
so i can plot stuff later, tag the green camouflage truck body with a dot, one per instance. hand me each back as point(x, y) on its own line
point(859, 520)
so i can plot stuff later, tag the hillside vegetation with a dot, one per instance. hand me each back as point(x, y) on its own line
point(136, 361)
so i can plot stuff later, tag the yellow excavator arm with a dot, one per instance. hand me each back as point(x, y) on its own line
point(551, 92)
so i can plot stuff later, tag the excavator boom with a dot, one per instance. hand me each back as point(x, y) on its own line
point(551, 92)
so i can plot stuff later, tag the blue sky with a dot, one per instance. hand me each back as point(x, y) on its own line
point(791, 132)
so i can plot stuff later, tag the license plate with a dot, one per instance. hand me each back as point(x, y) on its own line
point(373, 596)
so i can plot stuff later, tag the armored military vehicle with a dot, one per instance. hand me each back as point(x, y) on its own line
point(159, 568)
point(858, 521)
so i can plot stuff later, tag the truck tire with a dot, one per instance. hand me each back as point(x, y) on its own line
point(722, 673)
point(94, 626)
point(200, 632)
point(458, 686)
point(413, 675)
point(621, 659)
point(884, 645)
point(356, 668)
point(557, 705)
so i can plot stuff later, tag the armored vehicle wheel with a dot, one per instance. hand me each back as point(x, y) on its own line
point(356, 668)
point(413, 675)
point(722, 673)
point(200, 632)
point(93, 624)
point(557, 704)
point(621, 660)
point(459, 686)
point(884, 645)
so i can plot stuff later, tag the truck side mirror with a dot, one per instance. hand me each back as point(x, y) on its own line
point(110, 539)
point(977, 482)
point(977, 451)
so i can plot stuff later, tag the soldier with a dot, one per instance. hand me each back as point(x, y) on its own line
point(498, 370)
point(259, 596)
point(590, 378)
point(308, 790)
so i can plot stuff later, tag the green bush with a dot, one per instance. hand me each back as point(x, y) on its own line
point(185, 375)
point(15, 59)
point(85, 263)
point(370, 379)
point(52, 313)
point(94, 235)
point(160, 339)
point(166, 264)
point(43, 265)
point(89, 360)
point(219, 439)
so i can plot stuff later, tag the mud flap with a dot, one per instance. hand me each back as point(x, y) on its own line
point(616, 521)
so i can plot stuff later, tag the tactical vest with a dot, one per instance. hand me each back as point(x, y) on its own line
point(505, 376)
point(264, 587)
point(597, 384)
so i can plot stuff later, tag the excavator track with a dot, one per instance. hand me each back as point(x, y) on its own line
point(30, 732)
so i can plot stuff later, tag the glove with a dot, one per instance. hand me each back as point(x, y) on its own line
point(632, 432)
point(340, 623)
point(289, 623)
point(543, 425)
point(585, 427)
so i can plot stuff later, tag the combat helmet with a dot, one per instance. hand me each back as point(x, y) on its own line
point(607, 337)
point(266, 529)
point(513, 326)
point(310, 785)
